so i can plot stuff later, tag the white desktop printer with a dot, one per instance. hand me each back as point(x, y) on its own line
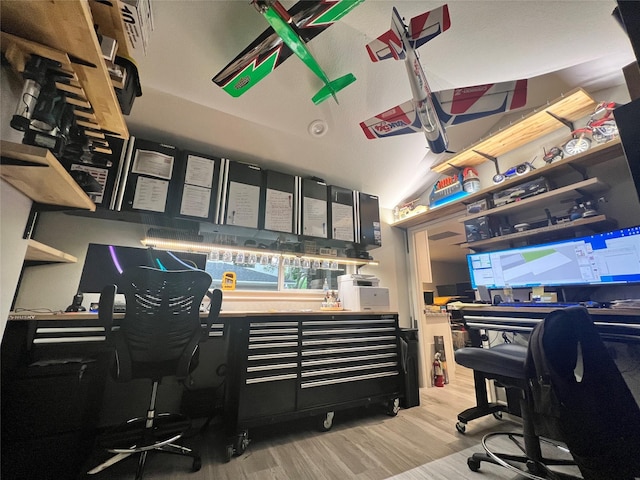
point(362, 293)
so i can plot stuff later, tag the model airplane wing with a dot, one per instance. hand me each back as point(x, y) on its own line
point(398, 120)
point(453, 107)
point(470, 103)
point(268, 51)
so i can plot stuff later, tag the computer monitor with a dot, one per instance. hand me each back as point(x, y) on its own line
point(104, 263)
point(601, 259)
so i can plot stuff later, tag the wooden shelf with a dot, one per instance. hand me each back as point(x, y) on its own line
point(595, 155)
point(67, 27)
point(507, 239)
point(572, 106)
point(39, 252)
point(590, 185)
point(40, 176)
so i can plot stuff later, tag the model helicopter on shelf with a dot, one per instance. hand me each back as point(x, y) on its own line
point(289, 33)
point(431, 112)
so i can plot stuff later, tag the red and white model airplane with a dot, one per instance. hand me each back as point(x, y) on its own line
point(430, 112)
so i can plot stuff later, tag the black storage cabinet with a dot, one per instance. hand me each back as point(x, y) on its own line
point(290, 366)
point(409, 363)
point(50, 406)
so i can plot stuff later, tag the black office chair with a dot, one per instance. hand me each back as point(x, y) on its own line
point(158, 337)
point(572, 392)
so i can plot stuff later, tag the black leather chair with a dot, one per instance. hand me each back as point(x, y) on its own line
point(572, 392)
point(158, 337)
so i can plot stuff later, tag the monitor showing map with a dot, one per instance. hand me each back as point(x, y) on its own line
point(604, 258)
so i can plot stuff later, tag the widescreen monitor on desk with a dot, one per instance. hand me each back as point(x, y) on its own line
point(601, 259)
point(104, 263)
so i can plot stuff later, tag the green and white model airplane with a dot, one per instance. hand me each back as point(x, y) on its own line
point(289, 33)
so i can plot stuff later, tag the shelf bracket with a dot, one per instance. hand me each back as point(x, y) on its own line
point(31, 223)
point(580, 170)
point(489, 157)
point(564, 121)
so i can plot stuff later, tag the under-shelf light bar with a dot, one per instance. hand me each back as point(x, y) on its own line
point(182, 245)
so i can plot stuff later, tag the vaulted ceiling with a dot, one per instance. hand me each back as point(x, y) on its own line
point(556, 45)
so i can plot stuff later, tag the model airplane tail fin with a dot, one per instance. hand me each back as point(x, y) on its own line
point(420, 30)
point(428, 25)
point(333, 87)
point(389, 44)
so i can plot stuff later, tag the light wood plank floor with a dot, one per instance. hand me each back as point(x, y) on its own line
point(363, 444)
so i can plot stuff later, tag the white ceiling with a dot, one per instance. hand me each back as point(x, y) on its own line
point(558, 45)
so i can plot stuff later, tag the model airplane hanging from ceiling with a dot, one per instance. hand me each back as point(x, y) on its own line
point(430, 112)
point(289, 33)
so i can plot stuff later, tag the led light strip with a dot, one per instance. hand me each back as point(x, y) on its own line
point(163, 243)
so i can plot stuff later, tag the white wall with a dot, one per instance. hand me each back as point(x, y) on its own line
point(14, 206)
point(14, 210)
point(53, 286)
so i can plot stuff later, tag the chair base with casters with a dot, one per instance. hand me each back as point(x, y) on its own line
point(505, 364)
point(153, 433)
point(158, 337)
point(483, 406)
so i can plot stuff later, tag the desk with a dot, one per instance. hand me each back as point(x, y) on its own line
point(612, 324)
point(616, 326)
point(281, 365)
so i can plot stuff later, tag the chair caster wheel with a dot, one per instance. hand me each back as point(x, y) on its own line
point(197, 464)
point(535, 469)
point(242, 442)
point(474, 465)
point(393, 407)
point(497, 415)
point(325, 422)
point(228, 454)
point(461, 427)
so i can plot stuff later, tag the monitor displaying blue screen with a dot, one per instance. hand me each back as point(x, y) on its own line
point(600, 259)
point(104, 263)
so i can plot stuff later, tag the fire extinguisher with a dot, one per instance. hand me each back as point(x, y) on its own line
point(438, 372)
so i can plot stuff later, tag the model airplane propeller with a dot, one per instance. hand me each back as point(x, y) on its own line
point(289, 33)
point(430, 112)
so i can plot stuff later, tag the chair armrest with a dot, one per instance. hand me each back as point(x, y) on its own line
point(214, 310)
point(105, 309)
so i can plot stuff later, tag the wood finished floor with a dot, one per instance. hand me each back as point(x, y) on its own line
point(363, 444)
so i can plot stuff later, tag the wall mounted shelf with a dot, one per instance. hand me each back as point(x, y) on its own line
point(39, 175)
point(595, 155)
point(557, 195)
point(67, 27)
point(39, 252)
point(542, 121)
point(507, 240)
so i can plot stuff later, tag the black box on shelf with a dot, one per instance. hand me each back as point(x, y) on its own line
point(478, 206)
point(521, 191)
point(480, 228)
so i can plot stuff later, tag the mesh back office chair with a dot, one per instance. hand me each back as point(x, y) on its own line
point(158, 337)
point(572, 392)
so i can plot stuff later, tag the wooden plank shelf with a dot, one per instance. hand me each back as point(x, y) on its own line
point(38, 174)
point(65, 26)
point(571, 107)
point(590, 185)
point(595, 155)
point(537, 232)
point(39, 252)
